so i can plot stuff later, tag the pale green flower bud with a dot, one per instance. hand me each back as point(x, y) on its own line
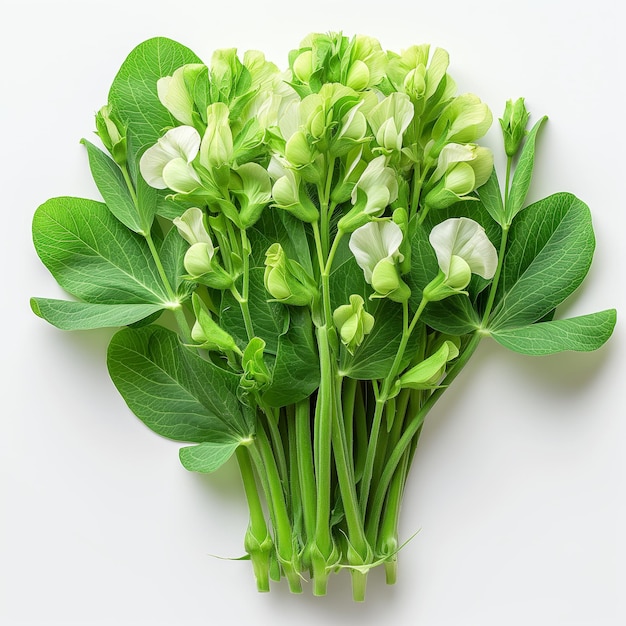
point(513, 125)
point(415, 83)
point(428, 373)
point(216, 148)
point(385, 277)
point(368, 51)
point(303, 66)
point(225, 69)
point(374, 191)
point(256, 374)
point(176, 92)
point(353, 125)
point(290, 195)
point(198, 258)
point(299, 151)
point(389, 119)
point(352, 132)
point(286, 280)
point(192, 226)
point(207, 333)
point(358, 76)
point(460, 170)
point(112, 134)
point(251, 184)
point(464, 120)
point(353, 322)
point(263, 74)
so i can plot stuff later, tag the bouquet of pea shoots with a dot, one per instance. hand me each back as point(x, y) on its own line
point(300, 261)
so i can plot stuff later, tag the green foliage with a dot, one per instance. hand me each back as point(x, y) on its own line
point(344, 246)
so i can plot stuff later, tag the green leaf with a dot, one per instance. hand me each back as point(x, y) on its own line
point(93, 256)
point(296, 373)
point(584, 333)
point(208, 456)
point(374, 357)
point(68, 315)
point(278, 226)
point(133, 93)
point(523, 173)
point(111, 184)
point(175, 392)
point(491, 198)
point(172, 253)
point(552, 244)
point(347, 278)
point(454, 315)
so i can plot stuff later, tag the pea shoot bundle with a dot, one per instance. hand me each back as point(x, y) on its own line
point(301, 262)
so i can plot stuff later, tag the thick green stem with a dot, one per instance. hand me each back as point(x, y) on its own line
point(282, 524)
point(304, 454)
point(381, 399)
point(412, 426)
point(258, 541)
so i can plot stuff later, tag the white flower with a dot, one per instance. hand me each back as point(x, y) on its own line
point(462, 239)
point(192, 227)
point(174, 93)
point(379, 184)
point(167, 164)
point(374, 243)
point(390, 118)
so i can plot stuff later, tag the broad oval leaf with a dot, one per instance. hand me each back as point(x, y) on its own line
point(552, 244)
point(582, 334)
point(133, 93)
point(68, 315)
point(173, 390)
point(93, 256)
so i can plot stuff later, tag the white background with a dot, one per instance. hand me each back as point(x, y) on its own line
point(518, 486)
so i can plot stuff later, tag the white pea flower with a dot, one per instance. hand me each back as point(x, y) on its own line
point(376, 189)
point(375, 242)
point(376, 248)
point(191, 226)
point(174, 93)
point(463, 248)
point(167, 164)
point(216, 148)
point(390, 118)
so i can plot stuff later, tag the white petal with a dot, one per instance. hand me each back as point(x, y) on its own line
point(391, 236)
point(467, 239)
point(151, 165)
point(452, 153)
point(374, 242)
point(191, 226)
point(182, 141)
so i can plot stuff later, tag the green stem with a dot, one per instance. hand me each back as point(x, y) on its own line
point(381, 399)
point(413, 425)
point(258, 541)
point(496, 277)
point(324, 554)
point(282, 524)
point(306, 475)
